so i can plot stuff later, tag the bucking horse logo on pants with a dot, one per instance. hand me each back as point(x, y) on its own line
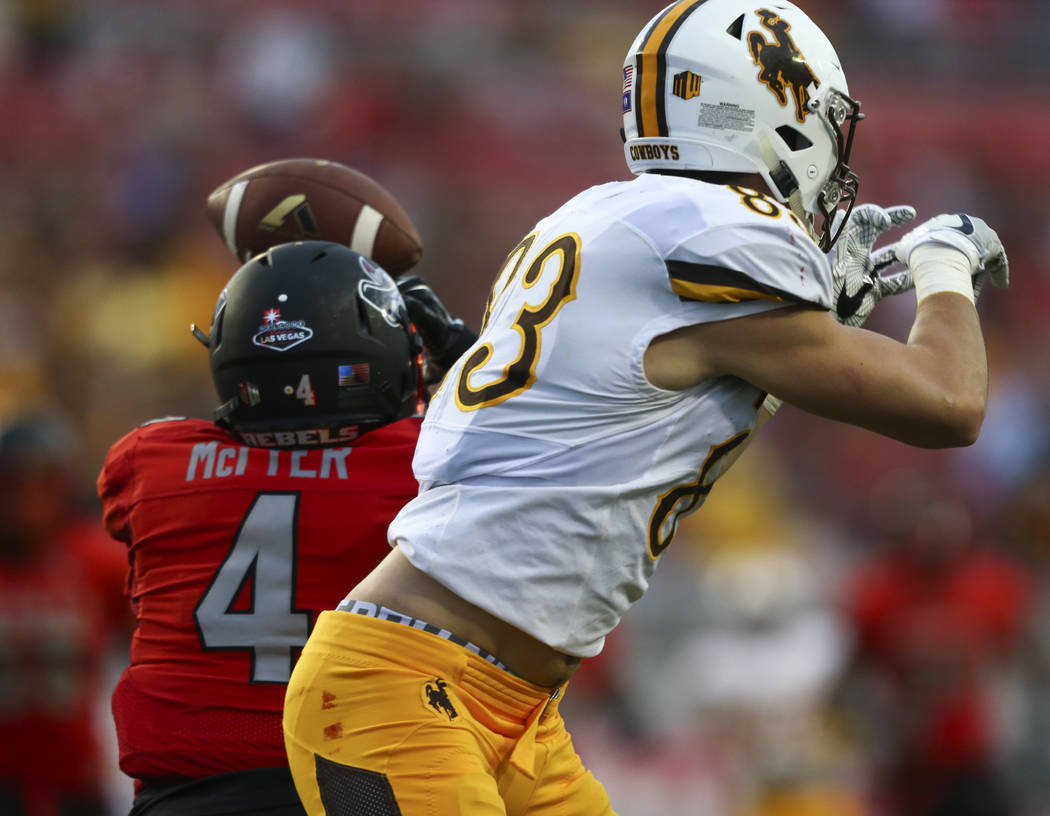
point(782, 63)
point(436, 697)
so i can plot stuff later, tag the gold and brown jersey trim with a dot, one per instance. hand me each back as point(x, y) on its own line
point(719, 284)
point(651, 68)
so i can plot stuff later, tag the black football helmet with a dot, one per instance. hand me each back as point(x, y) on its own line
point(311, 344)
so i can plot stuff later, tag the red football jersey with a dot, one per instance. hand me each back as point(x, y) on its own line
point(59, 614)
point(234, 551)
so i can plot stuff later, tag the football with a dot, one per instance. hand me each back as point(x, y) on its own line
point(313, 200)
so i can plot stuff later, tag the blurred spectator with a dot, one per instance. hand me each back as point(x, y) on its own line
point(939, 621)
point(61, 606)
point(277, 64)
point(1026, 521)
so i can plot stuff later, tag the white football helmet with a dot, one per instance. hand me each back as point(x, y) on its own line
point(743, 87)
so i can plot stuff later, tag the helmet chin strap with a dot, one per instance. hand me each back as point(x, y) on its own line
point(786, 183)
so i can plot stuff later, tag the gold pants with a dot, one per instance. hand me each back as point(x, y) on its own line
point(382, 719)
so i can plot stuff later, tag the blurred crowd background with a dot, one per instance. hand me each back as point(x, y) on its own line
point(849, 626)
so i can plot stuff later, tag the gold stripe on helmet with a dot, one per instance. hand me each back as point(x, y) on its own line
point(651, 69)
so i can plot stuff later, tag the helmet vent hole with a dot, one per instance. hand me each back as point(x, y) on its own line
point(319, 256)
point(794, 139)
point(736, 28)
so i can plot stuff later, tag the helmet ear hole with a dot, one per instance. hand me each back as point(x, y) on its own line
point(794, 139)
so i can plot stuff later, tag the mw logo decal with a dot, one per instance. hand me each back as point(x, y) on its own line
point(686, 85)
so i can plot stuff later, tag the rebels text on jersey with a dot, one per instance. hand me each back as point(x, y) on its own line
point(234, 551)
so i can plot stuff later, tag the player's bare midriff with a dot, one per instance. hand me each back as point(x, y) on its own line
point(398, 585)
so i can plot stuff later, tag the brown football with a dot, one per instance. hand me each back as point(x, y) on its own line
point(313, 200)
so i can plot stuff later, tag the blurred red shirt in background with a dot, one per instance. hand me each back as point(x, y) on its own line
point(938, 620)
point(61, 609)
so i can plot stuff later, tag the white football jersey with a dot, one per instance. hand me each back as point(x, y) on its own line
point(552, 473)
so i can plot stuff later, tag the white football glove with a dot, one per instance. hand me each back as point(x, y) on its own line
point(855, 273)
point(966, 233)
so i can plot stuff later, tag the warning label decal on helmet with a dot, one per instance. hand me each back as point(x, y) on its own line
point(726, 116)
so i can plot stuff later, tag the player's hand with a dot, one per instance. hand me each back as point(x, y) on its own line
point(445, 337)
point(971, 236)
point(856, 276)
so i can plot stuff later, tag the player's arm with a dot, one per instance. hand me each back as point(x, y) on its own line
point(857, 284)
point(115, 485)
point(930, 391)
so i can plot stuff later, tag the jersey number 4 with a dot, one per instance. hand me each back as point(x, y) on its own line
point(250, 603)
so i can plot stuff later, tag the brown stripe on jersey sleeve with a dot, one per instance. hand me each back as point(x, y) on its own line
point(719, 284)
